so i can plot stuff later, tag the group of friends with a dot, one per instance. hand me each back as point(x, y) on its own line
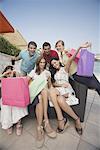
point(57, 67)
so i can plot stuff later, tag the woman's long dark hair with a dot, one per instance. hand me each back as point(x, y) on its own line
point(37, 64)
point(52, 69)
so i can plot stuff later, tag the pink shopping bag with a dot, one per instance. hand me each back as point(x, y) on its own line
point(15, 91)
point(71, 53)
point(86, 63)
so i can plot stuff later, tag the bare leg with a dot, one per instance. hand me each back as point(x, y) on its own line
point(50, 132)
point(65, 107)
point(19, 128)
point(39, 116)
point(9, 130)
point(45, 103)
point(53, 97)
point(39, 111)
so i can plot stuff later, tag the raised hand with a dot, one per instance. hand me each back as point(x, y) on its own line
point(86, 45)
point(7, 72)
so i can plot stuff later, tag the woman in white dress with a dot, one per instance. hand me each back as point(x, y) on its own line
point(11, 115)
point(41, 102)
point(63, 88)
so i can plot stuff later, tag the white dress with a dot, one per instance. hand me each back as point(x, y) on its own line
point(61, 77)
point(33, 74)
point(11, 115)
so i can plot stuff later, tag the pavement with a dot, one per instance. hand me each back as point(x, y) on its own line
point(69, 140)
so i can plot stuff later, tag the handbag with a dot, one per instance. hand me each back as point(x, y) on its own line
point(15, 91)
point(86, 63)
point(71, 53)
point(36, 86)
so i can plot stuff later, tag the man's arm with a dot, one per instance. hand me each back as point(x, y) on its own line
point(19, 57)
point(15, 58)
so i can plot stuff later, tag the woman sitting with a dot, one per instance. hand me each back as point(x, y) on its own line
point(41, 102)
point(63, 89)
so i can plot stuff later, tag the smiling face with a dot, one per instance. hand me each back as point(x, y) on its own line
point(42, 64)
point(55, 64)
point(31, 49)
point(60, 47)
point(47, 50)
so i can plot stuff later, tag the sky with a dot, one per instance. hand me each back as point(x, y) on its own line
point(73, 21)
point(99, 24)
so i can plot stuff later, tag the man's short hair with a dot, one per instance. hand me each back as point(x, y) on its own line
point(32, 43)
point(46, 44)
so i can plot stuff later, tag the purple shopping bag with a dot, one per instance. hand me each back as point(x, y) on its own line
point(86, 63)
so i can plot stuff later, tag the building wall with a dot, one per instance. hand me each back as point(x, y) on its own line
point(5, 60)
point(16, 39)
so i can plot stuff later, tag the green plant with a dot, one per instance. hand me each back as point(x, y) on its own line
point(7, 48)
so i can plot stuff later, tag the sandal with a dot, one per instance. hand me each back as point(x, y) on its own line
point(66, 125)
point(78, 130)
point(40, 141)
point(18, 129)
point(52, 133)
point(10, 131)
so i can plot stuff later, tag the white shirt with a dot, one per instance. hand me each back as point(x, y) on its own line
point(33, 74)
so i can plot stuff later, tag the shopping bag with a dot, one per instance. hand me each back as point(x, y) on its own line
point(15, 91)
point(86, 63)
point(71, 53)
point(36, 86)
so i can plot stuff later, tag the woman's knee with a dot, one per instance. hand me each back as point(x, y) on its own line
point(40, 99)
point(60, 99)
point(53, 92)
point(44, 92)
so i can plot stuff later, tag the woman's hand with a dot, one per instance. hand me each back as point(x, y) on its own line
point(86, 45)
point(65, 85)
point(7, 72)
